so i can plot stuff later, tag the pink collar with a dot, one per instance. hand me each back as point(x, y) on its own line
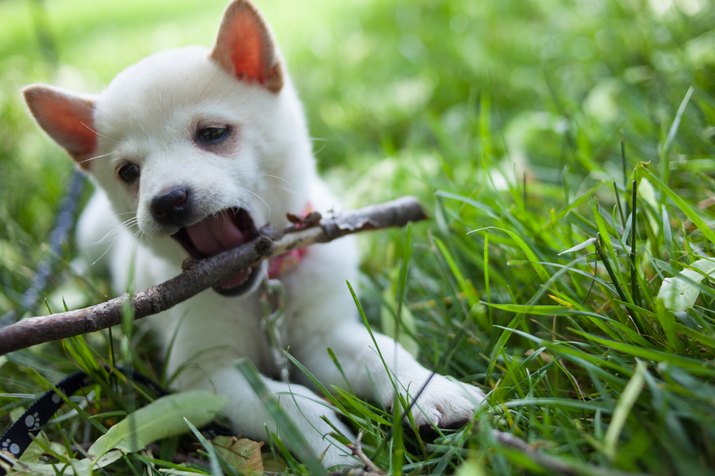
point(281, 264)
point(287, 261)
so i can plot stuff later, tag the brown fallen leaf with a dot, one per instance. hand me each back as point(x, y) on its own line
point(240, 453)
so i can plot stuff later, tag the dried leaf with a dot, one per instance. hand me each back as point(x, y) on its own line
point(240, 453)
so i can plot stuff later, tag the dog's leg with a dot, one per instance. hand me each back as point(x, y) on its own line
point(444, 402)
point(308, 411)
point(318, 322)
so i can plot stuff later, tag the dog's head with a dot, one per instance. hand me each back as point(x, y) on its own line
point(201, 146)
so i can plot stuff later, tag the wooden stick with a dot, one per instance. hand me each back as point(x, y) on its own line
point(203, 274)
point(371, 468)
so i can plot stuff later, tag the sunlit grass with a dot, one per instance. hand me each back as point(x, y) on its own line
point(532, 132)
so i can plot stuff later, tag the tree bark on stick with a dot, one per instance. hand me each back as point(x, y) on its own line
point(203, 274)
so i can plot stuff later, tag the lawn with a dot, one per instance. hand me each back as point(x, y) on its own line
point(565, 151)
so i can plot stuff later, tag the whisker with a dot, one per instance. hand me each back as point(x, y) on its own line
point(286, 189)
point(113, 232)
point(137, 234)
point(95, 157)
point(268, 207)
point(282, 179)
point(104, 253)
point(96, 132)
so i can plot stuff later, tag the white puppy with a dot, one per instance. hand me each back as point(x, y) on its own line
point(191, 150)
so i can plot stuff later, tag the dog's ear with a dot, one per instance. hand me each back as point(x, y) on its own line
point(67, 118)
point(245, 48)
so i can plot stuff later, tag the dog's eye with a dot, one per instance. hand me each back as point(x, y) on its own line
point(129, 173)
point(212, 135)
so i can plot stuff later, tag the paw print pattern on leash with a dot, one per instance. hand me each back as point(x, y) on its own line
point(18, 437)
point(9, 446)
point(32, 422)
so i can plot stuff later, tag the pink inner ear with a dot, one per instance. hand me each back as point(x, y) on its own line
point(74, 123)
point(245, 48)
point(248, 41)
point(68, 119)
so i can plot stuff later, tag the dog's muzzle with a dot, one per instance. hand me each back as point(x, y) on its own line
point(221, 232)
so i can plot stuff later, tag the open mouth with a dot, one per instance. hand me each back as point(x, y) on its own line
point(217, 233)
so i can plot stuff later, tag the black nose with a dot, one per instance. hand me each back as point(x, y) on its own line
point(172, 207)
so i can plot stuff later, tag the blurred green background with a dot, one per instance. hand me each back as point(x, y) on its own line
point(378, 77)
point(495, 113)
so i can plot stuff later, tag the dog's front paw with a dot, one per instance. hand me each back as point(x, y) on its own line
point(445, 403)
point(318, 424)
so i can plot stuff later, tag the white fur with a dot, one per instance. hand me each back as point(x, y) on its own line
point(147, 115)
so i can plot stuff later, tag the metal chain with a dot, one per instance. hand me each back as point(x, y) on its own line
point(272, 298)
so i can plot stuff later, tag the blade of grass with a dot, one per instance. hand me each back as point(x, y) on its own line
point(628, 398)
point(214, 462)
point(682, 205)
point(664, 154)
point(634, 265)
point(287, 429)
point(695, 366)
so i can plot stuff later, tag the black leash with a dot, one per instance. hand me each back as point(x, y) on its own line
point(18, 437)
point(63, 225)
point(20, 434)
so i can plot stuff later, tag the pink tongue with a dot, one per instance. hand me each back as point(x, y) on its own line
point(215, 234)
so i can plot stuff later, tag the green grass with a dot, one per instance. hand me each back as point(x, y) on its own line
point(573, 101)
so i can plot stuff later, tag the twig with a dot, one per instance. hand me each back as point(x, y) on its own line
point(205, 274)
point(516, 443)
point(551, 464)
point(372, 468)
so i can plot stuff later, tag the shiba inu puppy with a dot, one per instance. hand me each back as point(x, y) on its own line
point(191, 151)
